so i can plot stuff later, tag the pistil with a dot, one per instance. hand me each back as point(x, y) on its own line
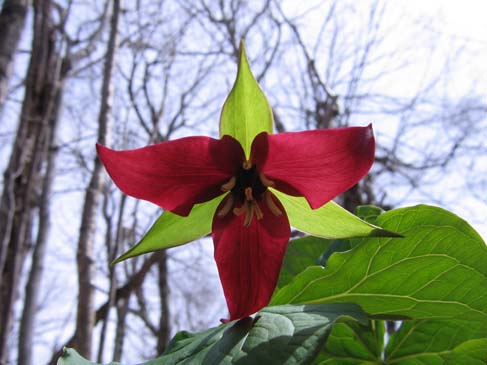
point(249, 213)
point(247, 189)
point(248, 194)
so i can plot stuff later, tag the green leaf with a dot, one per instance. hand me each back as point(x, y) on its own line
point(433, 337)
point(335, 246)
point(473, 352)
point(279, 335)
point(368, 213)
point(438, 270)
point(172, 230)
point(329, 221)
point(246, 112)
point(282, 335)
point(71, 357)
point(353, 343)
point(300, 254)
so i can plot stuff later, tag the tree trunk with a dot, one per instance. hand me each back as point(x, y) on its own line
point(34, 280)
point(121, 294)
point(111, 255)
point(164, 324)
point(21, 178)
point(122, 310)
point(12, 21)
point(85, 262)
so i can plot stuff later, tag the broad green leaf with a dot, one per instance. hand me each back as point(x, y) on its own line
point(472, 352)
point(246, 112)
point(280, 335)
point(71, 357)
point(416, 338)
point(438, 270)
point(335, 246)
point(368, 213)
point(330, 221)
point(172, 230)
point(300, 254)
point(353, 343)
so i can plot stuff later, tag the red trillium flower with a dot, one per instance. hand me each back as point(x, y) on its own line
point(250, 226)
point(247, 189)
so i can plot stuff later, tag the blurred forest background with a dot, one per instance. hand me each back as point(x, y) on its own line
point(77, 72)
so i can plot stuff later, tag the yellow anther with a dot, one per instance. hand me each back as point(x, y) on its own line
point(271, 204)
point(227, 206)
point(265, 181)
point(229, 185)
point(258, 212)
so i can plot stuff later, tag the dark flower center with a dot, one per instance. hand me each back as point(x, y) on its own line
point(248, 179)
point(248, 188)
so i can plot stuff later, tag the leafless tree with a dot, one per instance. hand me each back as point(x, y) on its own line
point(22, 176)
point(322, 65)
point(12, 20)
point(48, 71)
point(85, 258)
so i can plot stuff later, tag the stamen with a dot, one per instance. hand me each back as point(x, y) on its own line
point(229, 185)
point(248, 193)
point(239, 210)
point(227, 206)
point(258, 212)
point(272, 206)
point(249, 213)
point(247, 165)
point(265, 181)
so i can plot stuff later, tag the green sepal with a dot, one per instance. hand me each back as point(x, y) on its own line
point(246, 112)
point(172, 230)
point(329, 221)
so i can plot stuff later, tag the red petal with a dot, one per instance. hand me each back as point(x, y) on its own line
point(319, 164)
point(249, 258)
point(177, 174)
